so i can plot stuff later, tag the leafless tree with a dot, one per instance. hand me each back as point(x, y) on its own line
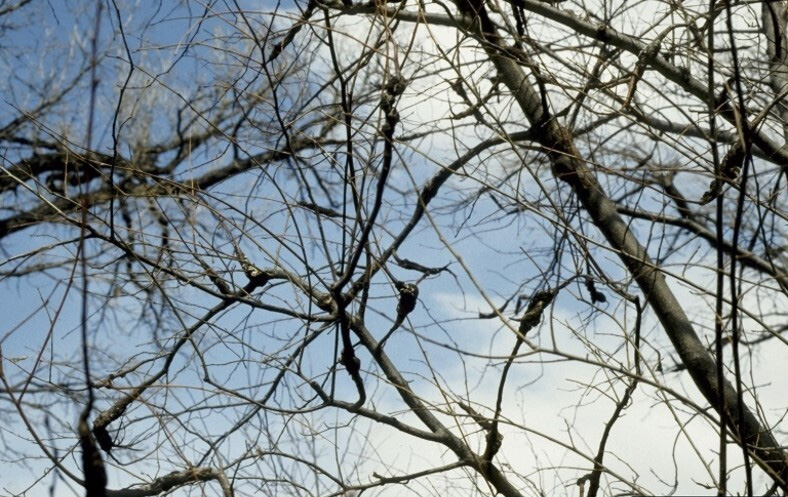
point(334, 248)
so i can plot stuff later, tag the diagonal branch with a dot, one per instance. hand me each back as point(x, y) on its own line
point(174, 480)
point(570, 168)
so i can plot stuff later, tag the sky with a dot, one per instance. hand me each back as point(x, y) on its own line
point(546, 395)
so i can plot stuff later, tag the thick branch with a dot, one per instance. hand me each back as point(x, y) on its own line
point(769, 149)
point(569, 167)
point(174, 480)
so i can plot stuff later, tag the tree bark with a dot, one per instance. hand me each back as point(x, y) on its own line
point(569, 167)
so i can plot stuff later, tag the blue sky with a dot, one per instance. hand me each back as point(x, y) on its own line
point(547, 393)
